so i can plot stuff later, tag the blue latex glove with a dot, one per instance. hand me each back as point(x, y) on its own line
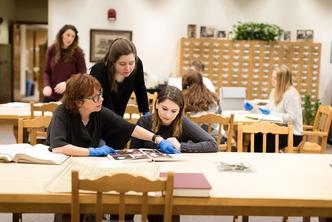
point(148, 113)
point(248, 106)
point(265, 111)
point(166, 147)
point(100, 151)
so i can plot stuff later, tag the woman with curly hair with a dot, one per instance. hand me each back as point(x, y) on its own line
point(63, 59)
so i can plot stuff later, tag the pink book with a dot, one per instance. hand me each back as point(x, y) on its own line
point(190, 184)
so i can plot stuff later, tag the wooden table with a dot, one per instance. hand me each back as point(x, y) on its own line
point(280, 185)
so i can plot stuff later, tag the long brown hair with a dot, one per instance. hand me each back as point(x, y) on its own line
point(283, 82)
point(196, 96)
point(79, 87)
point(62, 54)
point(175, 95)
point(118, 48)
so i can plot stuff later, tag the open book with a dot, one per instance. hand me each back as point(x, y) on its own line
point(144, 154)
point(26, 153)
point(263, 117)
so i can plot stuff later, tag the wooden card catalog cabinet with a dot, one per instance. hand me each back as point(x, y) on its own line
point(250, 63)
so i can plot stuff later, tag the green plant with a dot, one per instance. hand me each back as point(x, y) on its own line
point(310, 110)
point(256, 31)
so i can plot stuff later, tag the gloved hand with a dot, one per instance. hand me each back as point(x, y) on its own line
point(265, 111)
point(147, 113)
point(248, 106)
point(100, 151)
point(166, 147)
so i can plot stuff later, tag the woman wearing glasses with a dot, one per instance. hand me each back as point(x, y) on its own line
point(81, 126)
point(121, 73)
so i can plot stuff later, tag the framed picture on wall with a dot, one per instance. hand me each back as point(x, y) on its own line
point(100, 40)
point(191, 31)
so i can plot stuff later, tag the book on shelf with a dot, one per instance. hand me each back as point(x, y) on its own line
point(26, 153)
point(144, 154)
point(263, 117)
point(190, 184)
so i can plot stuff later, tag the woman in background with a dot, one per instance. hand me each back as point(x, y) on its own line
point(63, 59)
point(198, 99)
point(169, 121)
point(284, 101)
point(121, 73)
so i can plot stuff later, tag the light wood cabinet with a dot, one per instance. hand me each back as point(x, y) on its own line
point(250, 63)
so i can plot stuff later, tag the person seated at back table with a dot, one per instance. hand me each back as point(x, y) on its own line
point(284, 101)
point(168, 120)
point(198, 66)
point(198, 99)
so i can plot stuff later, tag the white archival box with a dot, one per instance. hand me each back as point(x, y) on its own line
point(232, 98)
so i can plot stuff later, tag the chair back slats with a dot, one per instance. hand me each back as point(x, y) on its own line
point(43, 108)
point(132, 113)
point(264, 128)
point(226, 123)
point(122, 183)
point(33, 125)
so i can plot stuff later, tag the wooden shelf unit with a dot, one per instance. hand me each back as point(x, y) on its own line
point(250, 63)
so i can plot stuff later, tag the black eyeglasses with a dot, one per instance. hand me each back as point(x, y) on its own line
point(96, 97)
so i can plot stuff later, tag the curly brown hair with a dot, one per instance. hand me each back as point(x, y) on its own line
point(79, 87)
point(62, 54)
point(196, 96)
point(175, 95)
point(118, 48)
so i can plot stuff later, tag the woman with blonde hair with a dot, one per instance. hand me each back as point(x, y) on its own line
point(284, 101)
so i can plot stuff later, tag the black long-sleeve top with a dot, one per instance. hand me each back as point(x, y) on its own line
point(117, 101)
point(67, 128)
point(193, 139)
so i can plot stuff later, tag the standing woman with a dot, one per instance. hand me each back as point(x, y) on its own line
point(120, 74)
point(169, 122)
point(63, 59)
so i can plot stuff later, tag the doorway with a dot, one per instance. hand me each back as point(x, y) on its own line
point(29, 49)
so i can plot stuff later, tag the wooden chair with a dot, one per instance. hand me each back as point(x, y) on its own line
point(132, 113)
point(122, 183)
point(226, 123)
point(43, 108)
point(152, 98)
point(33, 125)
point(264, 128)
point(315, 137)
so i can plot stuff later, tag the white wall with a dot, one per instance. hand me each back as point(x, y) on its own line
point(158, 25)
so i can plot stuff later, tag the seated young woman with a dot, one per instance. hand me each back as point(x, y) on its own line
point(169, 121)
point(284, 101)
point(81, 126)
point(198, 99)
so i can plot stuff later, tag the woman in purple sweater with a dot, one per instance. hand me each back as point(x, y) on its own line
point(63, 59)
